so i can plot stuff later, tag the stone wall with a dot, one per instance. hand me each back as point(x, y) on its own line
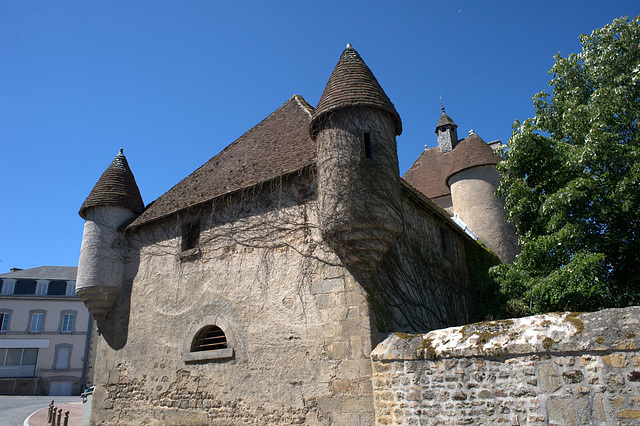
point(557, 369)
point(297, 322)
point(418, 285)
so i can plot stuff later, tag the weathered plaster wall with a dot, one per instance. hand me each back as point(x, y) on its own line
point(298, 322)
point(558, 369)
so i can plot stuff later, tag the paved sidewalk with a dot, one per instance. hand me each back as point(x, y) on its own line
point(39, 418)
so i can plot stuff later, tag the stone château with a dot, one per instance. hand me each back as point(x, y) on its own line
point(255, 290)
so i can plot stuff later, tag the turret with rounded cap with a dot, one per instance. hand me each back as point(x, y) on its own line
point(355, 125)
point(113, 203)
point(473, 179)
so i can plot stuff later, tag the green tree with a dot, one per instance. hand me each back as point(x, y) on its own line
point(571, 182)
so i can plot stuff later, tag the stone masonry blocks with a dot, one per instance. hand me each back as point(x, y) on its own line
point(583, 378)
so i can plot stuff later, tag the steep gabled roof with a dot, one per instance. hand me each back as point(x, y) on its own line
point(116, 187)
point(353, 84)
point(44, 273)
point(433, 168)
point(279, 144)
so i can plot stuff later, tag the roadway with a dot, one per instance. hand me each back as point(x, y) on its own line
point(15, 409)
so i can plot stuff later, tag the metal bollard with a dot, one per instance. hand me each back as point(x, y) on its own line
point(50, 412)
point(59, 416)
point(66, 418)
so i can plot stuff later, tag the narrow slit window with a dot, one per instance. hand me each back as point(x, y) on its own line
point(367, 144)
point(208, 339)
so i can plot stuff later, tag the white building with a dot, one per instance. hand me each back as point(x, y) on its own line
point(45, 332)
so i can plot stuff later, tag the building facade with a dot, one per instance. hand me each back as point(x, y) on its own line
point(255, 289)
point(45, 332)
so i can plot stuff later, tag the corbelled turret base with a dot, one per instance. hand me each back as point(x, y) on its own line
point(99, 300)
point(363, 248)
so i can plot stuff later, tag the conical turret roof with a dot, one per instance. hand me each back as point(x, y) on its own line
point(352, 84)
point(445, 120)
point(116, 187)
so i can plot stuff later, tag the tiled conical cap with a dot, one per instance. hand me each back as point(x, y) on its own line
point(352, 84)
point(445, 120)
point(116, 187)
point(471, 152)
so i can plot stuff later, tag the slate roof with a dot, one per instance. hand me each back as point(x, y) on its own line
point(353, 84)
point(45, 272)
point(431, 171)
point(279, 144)
point(445, 120)
point(116, 187)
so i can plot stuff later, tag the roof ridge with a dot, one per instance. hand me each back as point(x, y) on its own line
point(277, 145)
point(43, 272)
point(304, 104)
point(228, 147)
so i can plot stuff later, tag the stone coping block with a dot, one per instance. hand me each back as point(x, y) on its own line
point(607, 330)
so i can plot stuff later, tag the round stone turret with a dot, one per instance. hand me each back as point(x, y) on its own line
point(113, 203)
point(355, 125)
point(473, 180)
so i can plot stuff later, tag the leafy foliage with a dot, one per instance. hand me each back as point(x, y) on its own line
point(571, 182)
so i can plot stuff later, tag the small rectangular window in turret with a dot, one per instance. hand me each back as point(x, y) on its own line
point(190, 235)
point(367, 144)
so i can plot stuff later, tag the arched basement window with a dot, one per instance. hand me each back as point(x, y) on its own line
point(210, 343)
point(209, 338)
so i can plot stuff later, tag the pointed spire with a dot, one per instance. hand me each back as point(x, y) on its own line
point(116, 187)
point(447, 131)
point(353, 84)
point(445, 120)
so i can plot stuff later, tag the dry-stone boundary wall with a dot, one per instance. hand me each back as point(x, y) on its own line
point(555, 369)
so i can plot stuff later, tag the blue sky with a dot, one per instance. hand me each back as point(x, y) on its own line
point(174, 82)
